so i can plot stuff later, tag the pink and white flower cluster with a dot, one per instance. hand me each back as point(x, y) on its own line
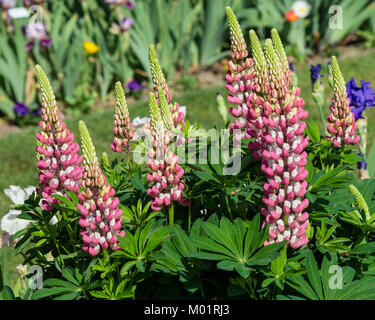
point(166, 172)
point(101, 216)
point(59, 162)
point(122, 126)
point(271, 112)
point(341, 122)
point(239, 78)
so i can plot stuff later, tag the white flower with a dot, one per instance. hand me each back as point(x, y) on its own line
point(301, 8)
point(19, 195)
point(10, 223)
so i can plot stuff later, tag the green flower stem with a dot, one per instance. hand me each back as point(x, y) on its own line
point(322, 118)
point(342, 153)
point(171, 214)
point(5, 276)
point(228, 207)
point(189, 219)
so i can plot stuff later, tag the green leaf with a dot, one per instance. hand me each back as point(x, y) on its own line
point(53, 282)
point(8, 293)
point(66, 201)
point(364, 248)
point(49, 292)
point(266, 254)
point(312, 130)
point(313, 274)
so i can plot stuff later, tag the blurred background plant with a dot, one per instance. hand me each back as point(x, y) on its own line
point(86, 46)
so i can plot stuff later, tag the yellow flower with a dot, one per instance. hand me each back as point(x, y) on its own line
point(90, 47)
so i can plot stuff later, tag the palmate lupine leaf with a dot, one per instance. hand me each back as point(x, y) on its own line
point(319, 284)
point(236, 246)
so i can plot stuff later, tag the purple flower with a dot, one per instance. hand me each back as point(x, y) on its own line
point(7, 4)
point(315, 73)
point(291, 67)
point(29, 3)
point(126, 24)
point(134, 86)
point(36, 31)
point(20, 109)
point(362, 164)
point(360, 98)
point(129, 4)
point(36, 112)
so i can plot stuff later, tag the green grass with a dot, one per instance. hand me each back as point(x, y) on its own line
point(17, 151)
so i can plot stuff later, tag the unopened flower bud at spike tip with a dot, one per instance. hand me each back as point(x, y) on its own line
point(256, 49)
point(165, 110)
point(341, 124)
point(123, 128)
point(238, 44)
point(157, 75)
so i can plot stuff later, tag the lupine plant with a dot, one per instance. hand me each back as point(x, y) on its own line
point(159, 227)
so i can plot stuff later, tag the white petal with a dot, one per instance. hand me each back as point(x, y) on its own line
point(16, 194)
point(11, 224)
point(29, 190)
point(54, 220)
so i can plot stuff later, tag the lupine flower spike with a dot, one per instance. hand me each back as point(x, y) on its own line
point(238, 76)
point(341, 122)
point(122, 126)
point(159, 81)
point(257, 96)
point(283, 158)
point(166, 172)
point(101, 216)
point(59, 162)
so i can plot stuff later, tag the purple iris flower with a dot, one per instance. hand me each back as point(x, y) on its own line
point(36, 31)
point(362, 164)
point(20, 109)
point(315, 73)
point(126, 24)
point(360, 98)
point(134, 86)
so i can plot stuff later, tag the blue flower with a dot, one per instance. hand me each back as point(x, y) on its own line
point(362, 164)
point(134, 85)
point(315, 73)
point(291, 67)
point(20, 109)
point(360, 98)
point(36, 112)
